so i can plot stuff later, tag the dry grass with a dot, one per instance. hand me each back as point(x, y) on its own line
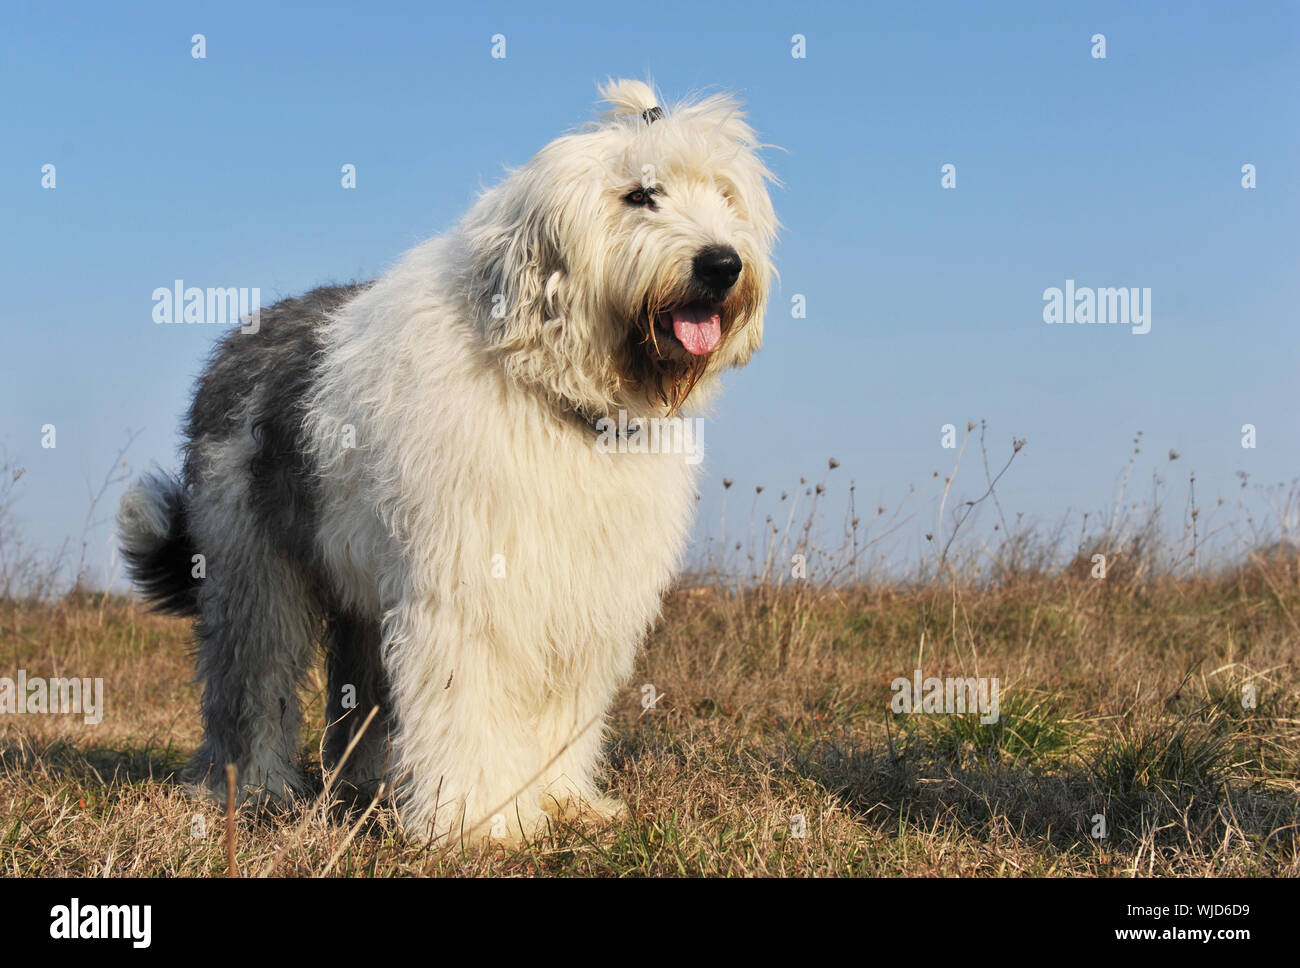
point(772, 749)
point(1119, 698)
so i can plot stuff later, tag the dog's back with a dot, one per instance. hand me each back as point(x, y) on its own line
point(254, 385)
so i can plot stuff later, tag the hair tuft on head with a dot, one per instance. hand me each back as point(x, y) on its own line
point(627, 97)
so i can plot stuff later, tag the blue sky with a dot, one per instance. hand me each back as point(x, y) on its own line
point(924, 305)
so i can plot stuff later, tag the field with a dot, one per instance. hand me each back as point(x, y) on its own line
point(1148, 726)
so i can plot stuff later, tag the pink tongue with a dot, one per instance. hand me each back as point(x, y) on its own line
point(697, 329)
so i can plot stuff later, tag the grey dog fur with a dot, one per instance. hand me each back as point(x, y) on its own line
point(261, 605)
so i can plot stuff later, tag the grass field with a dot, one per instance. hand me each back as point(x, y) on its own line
point(771, 749)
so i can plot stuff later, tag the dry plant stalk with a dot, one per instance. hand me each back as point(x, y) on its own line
point(231, 869)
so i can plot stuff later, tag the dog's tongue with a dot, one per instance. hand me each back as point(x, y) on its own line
point(697, 329)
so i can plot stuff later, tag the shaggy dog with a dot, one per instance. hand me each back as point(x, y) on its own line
point(410, 473)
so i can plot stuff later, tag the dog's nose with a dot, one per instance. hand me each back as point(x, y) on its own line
point(717, 267)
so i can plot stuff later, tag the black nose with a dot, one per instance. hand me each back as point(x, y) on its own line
point(717, 267)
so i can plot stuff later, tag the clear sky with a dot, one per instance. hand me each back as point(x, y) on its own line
point(924, 304)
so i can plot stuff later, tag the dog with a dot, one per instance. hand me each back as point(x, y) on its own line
point(408, 472)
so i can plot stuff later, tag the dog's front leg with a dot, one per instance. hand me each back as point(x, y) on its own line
point(572, 733)
point(466, 751)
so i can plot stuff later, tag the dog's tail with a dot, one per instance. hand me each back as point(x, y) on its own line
point(156, 543)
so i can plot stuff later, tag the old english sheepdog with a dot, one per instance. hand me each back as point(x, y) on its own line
point(409, 472)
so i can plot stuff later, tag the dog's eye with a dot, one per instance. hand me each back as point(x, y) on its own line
point(643, 197)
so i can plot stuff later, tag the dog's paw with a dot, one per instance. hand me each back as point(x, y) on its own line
point(509, 830)
point(582, 809)
point(262, 789)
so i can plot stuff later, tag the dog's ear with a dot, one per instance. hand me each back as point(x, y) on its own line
point(516, 266)
point(527, 252)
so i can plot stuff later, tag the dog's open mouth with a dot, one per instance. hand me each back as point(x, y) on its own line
point(696, 327)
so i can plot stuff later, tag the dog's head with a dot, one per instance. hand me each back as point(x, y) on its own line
point(628, 263)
